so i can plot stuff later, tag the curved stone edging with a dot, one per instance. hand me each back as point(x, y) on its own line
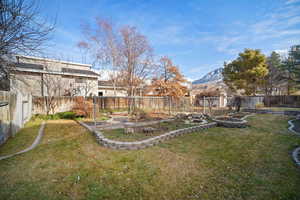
point(102, 140)
point(296, 156)
point(32, 146)
point(240, 123)
point(291, 127)
point(296, 152)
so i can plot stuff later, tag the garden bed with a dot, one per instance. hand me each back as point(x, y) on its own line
point(239, 115)
point(230, 122)
point(159, 128)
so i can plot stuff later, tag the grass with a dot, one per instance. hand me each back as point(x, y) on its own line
point(280, 108)
point(219, 163)
point(23, 139)
point(119, 135)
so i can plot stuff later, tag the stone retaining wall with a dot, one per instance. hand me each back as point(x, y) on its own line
point(101, 139)
point(238, 123)
point(296, 156)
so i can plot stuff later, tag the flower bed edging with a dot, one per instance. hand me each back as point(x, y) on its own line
point(296, 155)
point(291, 127)
point(231, 124)
point(32, 146)
point(102, 140)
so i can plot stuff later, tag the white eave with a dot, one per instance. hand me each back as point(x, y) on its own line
point(52, 60)
point(55, 72)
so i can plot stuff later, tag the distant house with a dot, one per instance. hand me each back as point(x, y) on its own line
point(32, 74)
point(107, 88)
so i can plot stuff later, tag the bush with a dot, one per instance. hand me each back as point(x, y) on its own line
point(83, 107)
point(139, 114)
point(259, 105)
point(61, 115)
point(67, 115)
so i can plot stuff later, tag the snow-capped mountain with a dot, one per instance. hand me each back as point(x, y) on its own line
point(212, 76)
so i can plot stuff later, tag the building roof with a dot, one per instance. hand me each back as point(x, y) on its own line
point(30, 66)
point(79, 71)
point(53, 60)
point(108, 83)
point(38, 68)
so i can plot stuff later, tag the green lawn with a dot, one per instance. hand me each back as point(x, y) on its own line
point(279, 108)
point(219, 163)
point(23, 139)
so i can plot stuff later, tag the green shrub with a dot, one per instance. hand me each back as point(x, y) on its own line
point(67, 115)
point(61, 115)
point(259, 105)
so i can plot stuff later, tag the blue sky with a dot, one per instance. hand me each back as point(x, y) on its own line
point(199, 35)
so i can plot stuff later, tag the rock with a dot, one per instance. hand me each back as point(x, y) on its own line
point(197, 120)
point(129, 130)
point(148, 130)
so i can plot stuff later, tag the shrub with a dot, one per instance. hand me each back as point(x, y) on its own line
point(67, 115)
point(61, 115)
point(83, 107)
point(139, 114)
point(259, 105)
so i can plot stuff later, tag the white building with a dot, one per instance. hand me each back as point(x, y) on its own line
point(43, 77)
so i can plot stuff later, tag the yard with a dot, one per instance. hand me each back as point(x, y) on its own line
point(218, 163)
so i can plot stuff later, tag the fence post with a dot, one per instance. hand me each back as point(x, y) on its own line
point(94, 110)
point(169, 100)
point(204, 104)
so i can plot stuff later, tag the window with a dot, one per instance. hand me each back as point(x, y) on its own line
point(79, 80)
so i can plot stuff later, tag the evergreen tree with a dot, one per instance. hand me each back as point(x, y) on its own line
point(273, 77)
point(247, 72)
point(291, 69)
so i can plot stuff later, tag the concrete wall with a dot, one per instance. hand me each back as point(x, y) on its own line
point(15, 114)
point(32, 83)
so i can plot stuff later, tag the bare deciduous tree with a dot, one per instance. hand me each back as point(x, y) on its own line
point(52, 86)
point(125, 50)
point(21, 30)
point(209, 96)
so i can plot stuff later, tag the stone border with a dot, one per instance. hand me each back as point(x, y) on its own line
point(102, 140)
point(291, 127)
point(239, 123)
point(33, 145)
point(296, 156)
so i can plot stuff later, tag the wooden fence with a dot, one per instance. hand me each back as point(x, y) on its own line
point(271, 101)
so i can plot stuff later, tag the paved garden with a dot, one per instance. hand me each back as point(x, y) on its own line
point(217, 163)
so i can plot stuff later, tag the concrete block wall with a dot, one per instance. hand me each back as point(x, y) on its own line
point(102, 140)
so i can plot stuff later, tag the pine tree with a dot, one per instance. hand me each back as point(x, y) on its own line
point(247, 72)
